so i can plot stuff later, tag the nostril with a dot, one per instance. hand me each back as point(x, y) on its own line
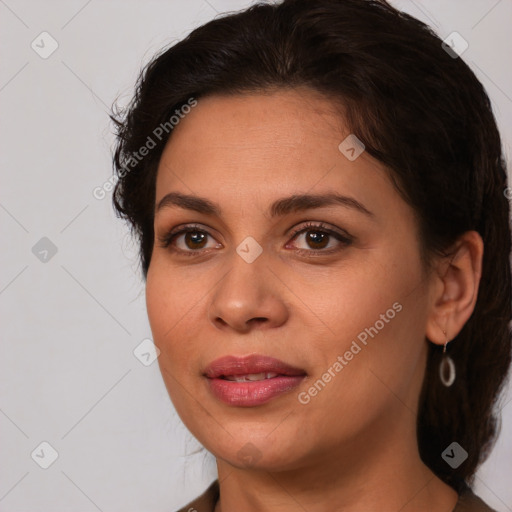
point(258, 320)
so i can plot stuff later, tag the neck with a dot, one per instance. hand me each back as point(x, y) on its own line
point(365, 474)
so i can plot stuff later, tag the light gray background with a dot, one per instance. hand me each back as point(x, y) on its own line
point(68, 374)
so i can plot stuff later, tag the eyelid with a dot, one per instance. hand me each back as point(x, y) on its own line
point(321, 226)
point(167, 237)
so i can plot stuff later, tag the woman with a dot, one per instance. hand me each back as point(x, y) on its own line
point(317, 187)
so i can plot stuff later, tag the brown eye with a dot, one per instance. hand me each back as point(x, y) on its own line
point(317, 239)
point(320, 239)
point(195, 239)
point(189, 240)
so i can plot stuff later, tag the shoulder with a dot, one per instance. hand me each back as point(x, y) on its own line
point(206, 502)
point(470, 502)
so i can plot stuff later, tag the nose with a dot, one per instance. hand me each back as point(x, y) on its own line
point(248, 297)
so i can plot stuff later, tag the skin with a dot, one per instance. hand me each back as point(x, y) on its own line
point(354, 444)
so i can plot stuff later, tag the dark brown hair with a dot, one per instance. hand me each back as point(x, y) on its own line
point(417, 109)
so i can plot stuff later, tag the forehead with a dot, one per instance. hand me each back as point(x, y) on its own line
point(279, 122)
point(260, 145)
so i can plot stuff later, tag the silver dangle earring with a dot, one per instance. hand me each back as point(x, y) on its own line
point(447, 367)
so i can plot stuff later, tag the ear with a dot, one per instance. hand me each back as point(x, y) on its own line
point(454, 288)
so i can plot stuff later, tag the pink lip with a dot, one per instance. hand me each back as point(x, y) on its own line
point(250, 394)
point(233, 365)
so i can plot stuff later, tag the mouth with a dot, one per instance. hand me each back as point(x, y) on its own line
point(255, 367)
point(250, 377)
point(252, 380)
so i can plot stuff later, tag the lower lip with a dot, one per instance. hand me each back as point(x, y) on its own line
point(250, 394)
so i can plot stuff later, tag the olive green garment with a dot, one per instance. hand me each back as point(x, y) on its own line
point(468, 502)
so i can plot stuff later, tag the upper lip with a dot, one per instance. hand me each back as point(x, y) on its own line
point(236, 365)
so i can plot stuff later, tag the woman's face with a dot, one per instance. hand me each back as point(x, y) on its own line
point(334, 289)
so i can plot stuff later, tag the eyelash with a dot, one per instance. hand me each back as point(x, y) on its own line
point(166, 240)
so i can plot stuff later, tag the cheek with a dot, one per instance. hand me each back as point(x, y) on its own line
point(381, 364)
point(158, 303)
point(171, 314)
point(380, 304)
point(172, 306)
point(354, 298)
point(395, 336)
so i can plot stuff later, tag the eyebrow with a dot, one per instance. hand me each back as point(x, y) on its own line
point(280, 207)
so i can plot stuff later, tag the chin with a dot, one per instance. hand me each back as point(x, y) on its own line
point(253, 448)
